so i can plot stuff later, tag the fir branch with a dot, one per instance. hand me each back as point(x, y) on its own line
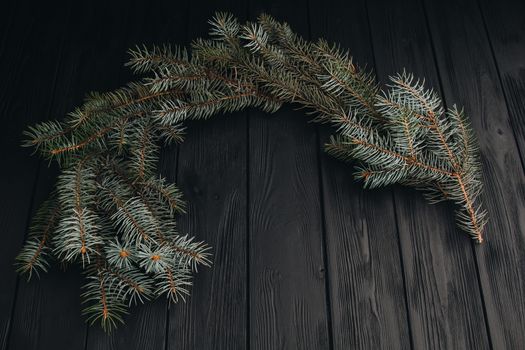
point(174, 284)
point(166, 193)
point(77, 231)
point(33, 256)
point(116, 217)
point(104, 303)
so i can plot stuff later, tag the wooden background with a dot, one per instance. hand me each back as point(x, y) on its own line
point(303, 258)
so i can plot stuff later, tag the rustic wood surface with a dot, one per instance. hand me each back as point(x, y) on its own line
point(303, 257)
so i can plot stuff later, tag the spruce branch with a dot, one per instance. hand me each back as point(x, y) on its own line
point(34, 254)
point(112, 212)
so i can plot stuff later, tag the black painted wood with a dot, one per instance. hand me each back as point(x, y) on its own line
point(364, 265)
point(303, 258)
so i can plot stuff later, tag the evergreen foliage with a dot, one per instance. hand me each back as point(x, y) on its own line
point(114, 215)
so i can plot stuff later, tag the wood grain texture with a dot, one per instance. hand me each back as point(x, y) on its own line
point(212, 175)
point(365, 271)
point(22, 101)
point(506, 30)
point(287, 274)
point(444, 303)
point(469, 76)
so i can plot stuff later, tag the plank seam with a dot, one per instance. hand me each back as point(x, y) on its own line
point(324, 239)
point(248, 223)
point(248, 232)
point(403, 273)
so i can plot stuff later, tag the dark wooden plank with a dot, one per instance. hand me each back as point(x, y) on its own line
point(506, 30)
point(445, 306)
point(469, 77)
point(288, 308)
point(156, 23)
point(365, 272)
point(212, 175)
point(31, 50)
point(7, 17)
